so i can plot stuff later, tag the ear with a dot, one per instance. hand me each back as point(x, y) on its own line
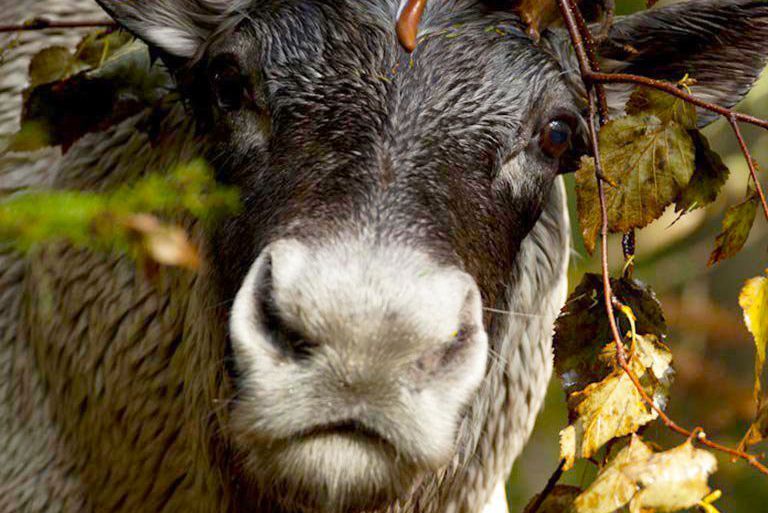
point(175, 28)
point(722, 44)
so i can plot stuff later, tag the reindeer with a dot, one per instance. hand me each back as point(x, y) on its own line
point(372, 331)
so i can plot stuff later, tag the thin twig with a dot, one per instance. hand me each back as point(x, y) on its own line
point(750, 162)
point(667, 87)
point(591, 78)
point(46, 24)
point(551, 483)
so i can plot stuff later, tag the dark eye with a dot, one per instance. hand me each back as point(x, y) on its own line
point(555, 137)
point(229, 87)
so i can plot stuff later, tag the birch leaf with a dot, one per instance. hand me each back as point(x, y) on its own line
point(560, 500)
point(603, 411)
point(647, 162)
point(673, 480)
point(582, 329)
point(708, 178)
point(612, 489)
point(668, 108)
point(758, 431)
point(736, 227)
point(754, 302)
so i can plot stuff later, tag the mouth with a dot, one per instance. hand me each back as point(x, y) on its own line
point(349, 428)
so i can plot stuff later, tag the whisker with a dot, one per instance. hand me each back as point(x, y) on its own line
point(509, 312)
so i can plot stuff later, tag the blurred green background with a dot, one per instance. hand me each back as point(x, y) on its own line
point(714, 354)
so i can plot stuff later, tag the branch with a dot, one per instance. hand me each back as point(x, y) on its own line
point(592, 79)
point(46, 24)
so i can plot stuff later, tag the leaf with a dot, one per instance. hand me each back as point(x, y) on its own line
point(647, 163)
point(119, 219)
point(163, 244)
point(53, 64)
point(673, 480)
point(559, 500)
point(708, 178)
point(537, 15)
point(754, 302)
point(736, 227)
point(612, 489)
point(646, 101)
point(614, 407)
point(582, 329)
point(668, 481)
point(110, 78)
point(758, 431)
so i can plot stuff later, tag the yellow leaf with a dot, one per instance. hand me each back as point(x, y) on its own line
point(665, 482)
point(754, 302)
point(613, 407)
point(612, 489)
point(603, 411)
point(673, 480)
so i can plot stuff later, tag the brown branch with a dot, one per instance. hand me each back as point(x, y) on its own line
point(46, 24)
point(591, 80)
point(551, 483)
point(750, 162)
point(625, 78)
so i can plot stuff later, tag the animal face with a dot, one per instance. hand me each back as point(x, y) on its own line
point(386, 197)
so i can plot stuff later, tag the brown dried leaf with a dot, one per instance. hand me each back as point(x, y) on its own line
point(758, 431)
point(559, 500)
point(647, 162)
point(163, 244)
point(736, 227)
point(708, 178)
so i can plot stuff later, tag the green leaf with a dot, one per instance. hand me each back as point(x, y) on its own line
point(119, 219)
point(110, 78)
point(646, 101)
point(582, 329)
point(708, 178)
point(754, 302)
point(736, 227)
point(647, 162)
point(53, 64)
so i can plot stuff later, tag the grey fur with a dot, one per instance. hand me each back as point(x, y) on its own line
point(118, 393)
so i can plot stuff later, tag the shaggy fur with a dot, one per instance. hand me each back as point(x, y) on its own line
point(119, 392)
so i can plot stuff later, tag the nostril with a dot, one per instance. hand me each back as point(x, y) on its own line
point(289, 340)
point(456, 350)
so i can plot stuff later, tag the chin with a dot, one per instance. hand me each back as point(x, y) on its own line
point(331, 472)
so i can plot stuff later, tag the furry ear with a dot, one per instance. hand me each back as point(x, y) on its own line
point(177, 28)
point(722, 44)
